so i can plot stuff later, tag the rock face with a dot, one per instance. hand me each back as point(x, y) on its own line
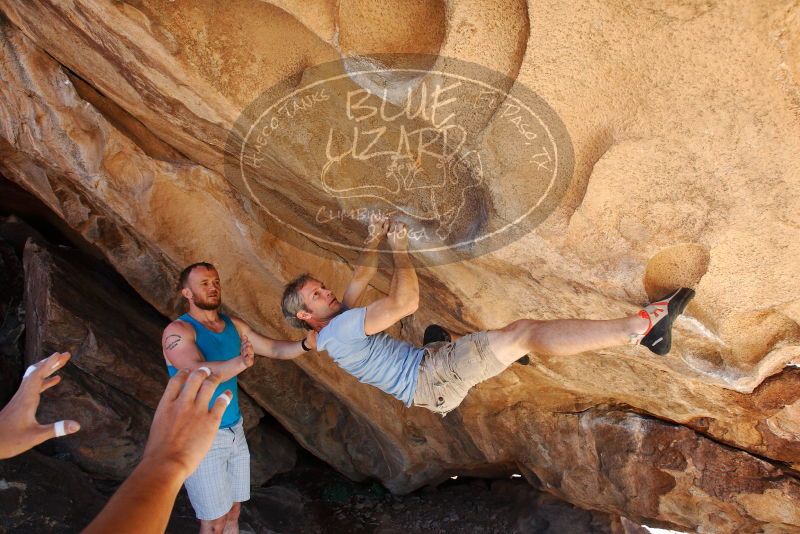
point(645, 468)
point(12, 321)
point(116, 116)
point(39, 493)
point(271, 452)
point(114, 383)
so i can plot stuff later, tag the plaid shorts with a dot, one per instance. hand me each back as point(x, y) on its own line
point(223, 477)
point(449, 370)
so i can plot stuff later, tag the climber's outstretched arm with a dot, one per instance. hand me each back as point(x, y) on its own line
point(273, 348)
point(367, 263)
point(403, 297)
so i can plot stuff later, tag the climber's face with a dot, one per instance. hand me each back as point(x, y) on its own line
point(203, 288)
point(320, 302)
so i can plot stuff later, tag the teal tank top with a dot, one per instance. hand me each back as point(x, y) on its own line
point(218, 347)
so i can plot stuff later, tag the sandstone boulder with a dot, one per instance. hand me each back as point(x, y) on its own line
point(684, 173)
point(39, 493)
point(12, 321)
point(114, 379)
point(272, 452)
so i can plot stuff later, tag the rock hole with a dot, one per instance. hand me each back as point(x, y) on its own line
point(388, 27)
point(677, 266)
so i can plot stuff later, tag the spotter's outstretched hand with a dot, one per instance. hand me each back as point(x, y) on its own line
point(183, 426)
point(19, 429)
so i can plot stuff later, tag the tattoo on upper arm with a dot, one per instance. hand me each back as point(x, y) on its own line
point(172, 341)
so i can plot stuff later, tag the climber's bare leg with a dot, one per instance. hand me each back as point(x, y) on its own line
point(562, 337)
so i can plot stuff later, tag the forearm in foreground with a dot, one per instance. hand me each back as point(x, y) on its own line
point(143, 503)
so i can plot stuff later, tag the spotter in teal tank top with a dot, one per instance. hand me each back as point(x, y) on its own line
point(218, 347)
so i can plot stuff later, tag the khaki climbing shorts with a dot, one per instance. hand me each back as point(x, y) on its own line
point(449, 370)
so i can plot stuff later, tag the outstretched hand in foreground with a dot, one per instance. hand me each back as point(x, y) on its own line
point(182, 432)
point(19, 429)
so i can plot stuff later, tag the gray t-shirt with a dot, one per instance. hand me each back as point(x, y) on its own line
point(389, 364)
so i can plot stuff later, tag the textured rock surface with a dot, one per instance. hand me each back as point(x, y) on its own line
point(12, 321)
point(271, 452)
point(685, 173)
point(43, 494)
point(646, 468)
point(38, 493)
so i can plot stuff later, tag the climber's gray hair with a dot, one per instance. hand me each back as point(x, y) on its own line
point(292, 301)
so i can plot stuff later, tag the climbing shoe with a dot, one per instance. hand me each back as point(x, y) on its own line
point(661, 314)
point(435, 333)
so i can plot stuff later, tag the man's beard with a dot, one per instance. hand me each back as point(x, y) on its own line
point(207, 305)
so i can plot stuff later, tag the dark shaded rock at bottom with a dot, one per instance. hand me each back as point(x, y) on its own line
point(12, 316)
point(272, 451)
point(42, 494)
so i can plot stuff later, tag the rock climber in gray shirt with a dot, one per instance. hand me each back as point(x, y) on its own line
point(438, 376)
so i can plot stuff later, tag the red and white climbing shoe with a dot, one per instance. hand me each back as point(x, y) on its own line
point(661, 314)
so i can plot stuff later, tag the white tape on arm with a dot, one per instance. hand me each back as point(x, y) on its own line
point(60, 430)
point(29, 371)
